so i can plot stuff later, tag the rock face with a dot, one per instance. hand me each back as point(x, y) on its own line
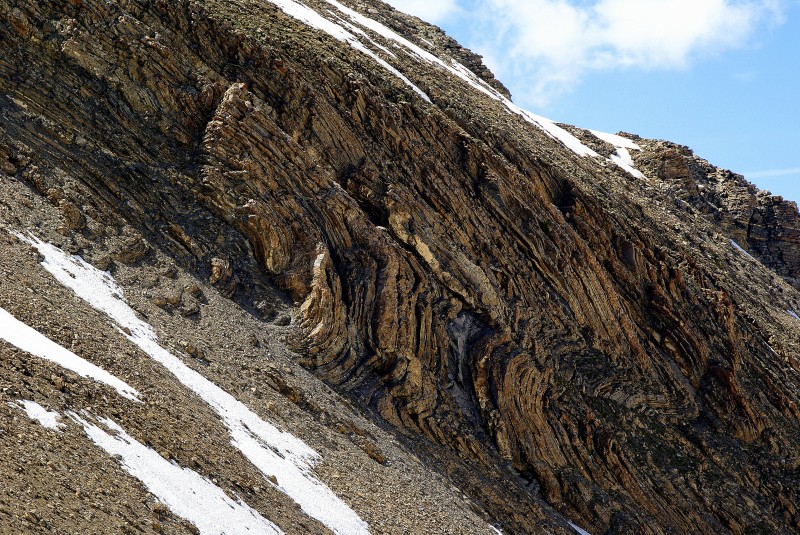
point(556, 337)
point(764, 224)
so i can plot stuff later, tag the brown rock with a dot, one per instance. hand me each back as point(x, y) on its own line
point(556, 337)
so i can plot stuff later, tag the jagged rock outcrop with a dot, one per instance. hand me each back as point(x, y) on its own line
point(554, 334)
point(766, 225)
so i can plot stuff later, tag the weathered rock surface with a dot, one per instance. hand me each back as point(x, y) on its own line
point(766, 225)
point(556, 337)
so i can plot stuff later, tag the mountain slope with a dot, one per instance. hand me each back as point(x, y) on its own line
point(556, 330)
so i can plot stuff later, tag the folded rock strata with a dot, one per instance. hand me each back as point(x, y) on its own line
point(558, 336)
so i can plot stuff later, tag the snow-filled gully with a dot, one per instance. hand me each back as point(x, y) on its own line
point(275, 453)
point(186, 493)
point(37, 413)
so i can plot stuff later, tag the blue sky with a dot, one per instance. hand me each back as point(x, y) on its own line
point(720, 76)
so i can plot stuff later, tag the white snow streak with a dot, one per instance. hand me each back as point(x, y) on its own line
point(469, 77)
point(577, 529)
point(314, 19)
point(617, 141)
point(554, 130)
point(186, 493)
point(624, 160)
point(310, 17)
point(739, 248)
point(32, 341)
point(48, 419)
point(274, 452)
point(623, 145)
point(793, 314)
point(362, 33)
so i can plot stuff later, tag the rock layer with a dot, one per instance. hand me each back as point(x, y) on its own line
point(552, 332)
point(766, 225)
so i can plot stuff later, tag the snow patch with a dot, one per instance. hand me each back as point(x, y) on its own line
point(623, 156)
point(315, 20)
point(793, 314)
point(48, 419)
point(467, 76)
point(624, 160)
point(739, 248)
point(421, 54)
point(554, 130)
point(274, 452)
point(358, 31)
point(578, 530)
point(32, 341)
point(186, 493)
point(614, 139)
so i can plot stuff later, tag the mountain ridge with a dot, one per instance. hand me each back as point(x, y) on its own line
point(563, 339)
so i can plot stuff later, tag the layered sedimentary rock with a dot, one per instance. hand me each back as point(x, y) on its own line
point(551, 331)
point(767, 225)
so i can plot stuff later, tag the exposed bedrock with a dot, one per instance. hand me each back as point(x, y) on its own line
point(487, 293)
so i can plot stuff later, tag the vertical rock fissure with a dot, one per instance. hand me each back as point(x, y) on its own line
point(463, 331)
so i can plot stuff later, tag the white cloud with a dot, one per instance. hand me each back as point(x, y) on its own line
point(773, 173)
point(550, 45)
point(428, 10)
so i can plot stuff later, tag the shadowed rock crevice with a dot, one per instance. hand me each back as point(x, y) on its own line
point(463, 331)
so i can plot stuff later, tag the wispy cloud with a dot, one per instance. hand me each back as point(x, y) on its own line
point(744, 76)
point(429, 10)
point(547, 47)
point(773, 173)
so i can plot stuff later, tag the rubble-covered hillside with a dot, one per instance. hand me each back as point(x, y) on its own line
point(302, 266)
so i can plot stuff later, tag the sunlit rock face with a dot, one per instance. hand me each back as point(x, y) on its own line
point(560, 337)
point(765, 224)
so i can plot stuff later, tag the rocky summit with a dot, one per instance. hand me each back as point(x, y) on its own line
point(302, 266)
